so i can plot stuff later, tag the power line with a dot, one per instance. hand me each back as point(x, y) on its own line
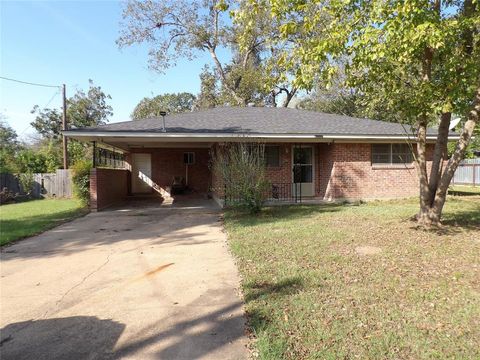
point(48, 103)
point(53, 97)
point(29, 83)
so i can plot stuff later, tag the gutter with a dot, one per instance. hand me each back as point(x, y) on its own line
point(216, 136)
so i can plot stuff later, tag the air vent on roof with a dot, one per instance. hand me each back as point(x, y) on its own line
point(162, 114)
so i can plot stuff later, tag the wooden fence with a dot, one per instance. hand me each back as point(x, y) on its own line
point(468, 173)
point(58, 184)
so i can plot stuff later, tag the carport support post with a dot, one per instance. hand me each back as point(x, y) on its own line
point(94, 156)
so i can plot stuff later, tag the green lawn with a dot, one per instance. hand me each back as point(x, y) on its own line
point(28, 218)
point(345, 282)
point(462, 190)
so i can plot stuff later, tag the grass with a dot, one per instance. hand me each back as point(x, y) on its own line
point(32, 217)
point(463, 190)
point(344, 282)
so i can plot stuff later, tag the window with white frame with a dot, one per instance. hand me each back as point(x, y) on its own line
point(391, 154)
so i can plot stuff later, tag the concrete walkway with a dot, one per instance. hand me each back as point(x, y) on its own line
point(136, 282)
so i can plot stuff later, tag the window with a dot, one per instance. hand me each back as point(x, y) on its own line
point(272, 155)
point(391, 154)
point(189, 158)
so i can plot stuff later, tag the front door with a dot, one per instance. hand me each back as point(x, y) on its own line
point(303, 171)
point(141, 173)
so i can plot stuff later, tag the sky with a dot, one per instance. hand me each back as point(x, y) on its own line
point(70, 42)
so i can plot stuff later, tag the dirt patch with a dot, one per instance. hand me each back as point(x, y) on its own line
point(367, 250)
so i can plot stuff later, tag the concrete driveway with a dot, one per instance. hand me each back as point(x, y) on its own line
point(136, 282)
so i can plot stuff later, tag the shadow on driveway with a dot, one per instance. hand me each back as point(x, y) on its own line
point(77, 337)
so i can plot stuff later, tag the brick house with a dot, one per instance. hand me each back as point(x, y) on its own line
point(309, 155)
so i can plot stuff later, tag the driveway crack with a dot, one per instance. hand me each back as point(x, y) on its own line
point(84, 279)
point(10, 336)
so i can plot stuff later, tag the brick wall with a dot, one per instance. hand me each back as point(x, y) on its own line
point(282, 173)
point(342, 171)
point(218, 185)
point(168, 163)
point(351, 175)
point(107, 187)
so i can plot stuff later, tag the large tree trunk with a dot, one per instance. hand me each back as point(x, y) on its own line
point(421, 163)
point(431, 211)
point(439, 155)
point(465, 136)
point(439, 182)
point(223, 77)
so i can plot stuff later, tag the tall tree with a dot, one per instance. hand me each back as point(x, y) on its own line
point(83, 109)
point(208, 96)
point(170, 102)
point(177, 29)
point(419, 58)
point(8, 146)
point(89, 108)
point(257, 32)
point(8, 136)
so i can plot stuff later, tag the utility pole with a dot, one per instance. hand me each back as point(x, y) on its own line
point(64, 127)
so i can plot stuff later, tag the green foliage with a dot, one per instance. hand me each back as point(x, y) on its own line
point(335, 104)
point(53, 154)
point(7, 162)
point(8, 136)
point(208, 97)
point(8, 146)
point(248, 82)
point(416, 59)
point(48, 122)
point(182, 29)
point(77, 151)
point(241, 166)
point(26, 181)
point(89, 109)
point(473, 147)
point(81, 180)
point(171, 103)
point(30, 160)
point(83, 109)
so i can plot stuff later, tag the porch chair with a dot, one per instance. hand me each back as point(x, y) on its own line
point(178, 185)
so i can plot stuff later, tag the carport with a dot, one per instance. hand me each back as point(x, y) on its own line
point(163, 172)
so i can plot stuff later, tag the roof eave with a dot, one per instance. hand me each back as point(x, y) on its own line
point(81, 135)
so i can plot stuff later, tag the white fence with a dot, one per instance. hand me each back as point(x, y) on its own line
point(468, 173)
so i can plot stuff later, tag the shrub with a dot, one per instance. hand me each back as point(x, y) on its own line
point(6, 196)
point(81, 180)
point(241, 166)
point(26, 181)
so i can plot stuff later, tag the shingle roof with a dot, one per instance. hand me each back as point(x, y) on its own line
point(256, 120)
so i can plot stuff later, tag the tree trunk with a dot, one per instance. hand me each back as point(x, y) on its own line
point(289, 97)
point(439, 155)
point(430, 214)
point(421, 163)
point(223, 77)
point(465, 136)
